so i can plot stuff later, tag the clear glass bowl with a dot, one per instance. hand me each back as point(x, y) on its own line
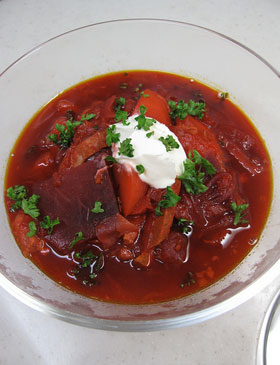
point(169, 46)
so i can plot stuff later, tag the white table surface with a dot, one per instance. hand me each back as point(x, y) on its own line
point(29, 337)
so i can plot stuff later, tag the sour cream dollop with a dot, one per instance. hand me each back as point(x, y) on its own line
point(161, 166)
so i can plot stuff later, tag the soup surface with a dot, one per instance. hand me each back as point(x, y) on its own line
point(138, 187)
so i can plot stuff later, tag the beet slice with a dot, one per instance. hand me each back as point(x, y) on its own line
point(73, 200)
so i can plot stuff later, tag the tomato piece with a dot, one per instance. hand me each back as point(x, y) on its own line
point(156, 105)
point(131, 188)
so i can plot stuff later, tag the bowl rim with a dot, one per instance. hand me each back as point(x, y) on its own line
point(154, 324)
point(273, 69)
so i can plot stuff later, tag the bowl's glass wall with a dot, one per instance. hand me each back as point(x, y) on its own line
point(153, 45)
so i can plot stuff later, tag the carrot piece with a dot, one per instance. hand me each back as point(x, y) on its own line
point(157, 228)
point(156, 105)
point(131, 188)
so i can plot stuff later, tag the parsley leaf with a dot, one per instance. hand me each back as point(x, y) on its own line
point(143, 122)
point(17, 193)
point(111, 159)
point(140, 168)
point(238, 211)
point(29, 206)
point(87, 116)
point(169, 142)
point(65, 137)
point(170, 200)
point(120, 102)
point(97, 208)
point(112, 136)
point(48, 223)
point(185, 225)
point(181, 109)
point(150, 134)
point(121, 116)
point(32, 229)
point(192, 177)
point(126, 148)
point(78, 237)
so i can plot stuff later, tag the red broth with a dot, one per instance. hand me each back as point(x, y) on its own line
point(210, 250)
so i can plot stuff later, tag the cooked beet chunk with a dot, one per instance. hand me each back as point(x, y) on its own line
point(174, 249)
point(73, 200)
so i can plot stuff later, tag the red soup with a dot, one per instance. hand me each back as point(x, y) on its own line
point(138, 187)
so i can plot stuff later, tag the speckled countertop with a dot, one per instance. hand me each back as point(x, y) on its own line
point(29, 337)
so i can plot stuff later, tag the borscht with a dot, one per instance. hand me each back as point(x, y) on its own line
point(138, 187)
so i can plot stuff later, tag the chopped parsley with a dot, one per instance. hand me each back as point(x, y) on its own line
point(121, 116)
point(239, 212)
point(150, 134)
point(123, 85)
point(78, 237)
point(87, 116)
point(48, 223)
point(120, 102)
point(169, 142)
point(185, 225)
point(140, 168)
point(192, 177)
point(111, 159)
point(88, 267)
point(170, 200)
point(29, 206)
point(32, 229)
point(112, 136)
point(181, 109)
point(97, 208)
point(86, 259)
point(189, 280)
point(143, 122)
point(66, 135)
point(126, 148)
point(16, 193)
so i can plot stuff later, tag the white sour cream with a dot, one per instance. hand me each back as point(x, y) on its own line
point(161, 167)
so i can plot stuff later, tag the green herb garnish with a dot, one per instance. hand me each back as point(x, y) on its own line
point(170, 200)
point(97, 207)
point(66, 135)
point(111, 159)
point(48, 223)
point(185, 225)
point(150, 134)
point(238, 211)
point(32, 229)
point(121, 116)
point(181, 109)
point(123, 85)
point(143, 122)
point(112, 136)
point(169, 143)
point(78, 237)
point(87, 116)
point(29, 206)
point(140, 168)
point(126, 148)
point(192, 177)
point(120, 102)
point(16, 193)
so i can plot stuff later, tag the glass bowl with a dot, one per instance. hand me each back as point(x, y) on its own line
point(149, 44)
